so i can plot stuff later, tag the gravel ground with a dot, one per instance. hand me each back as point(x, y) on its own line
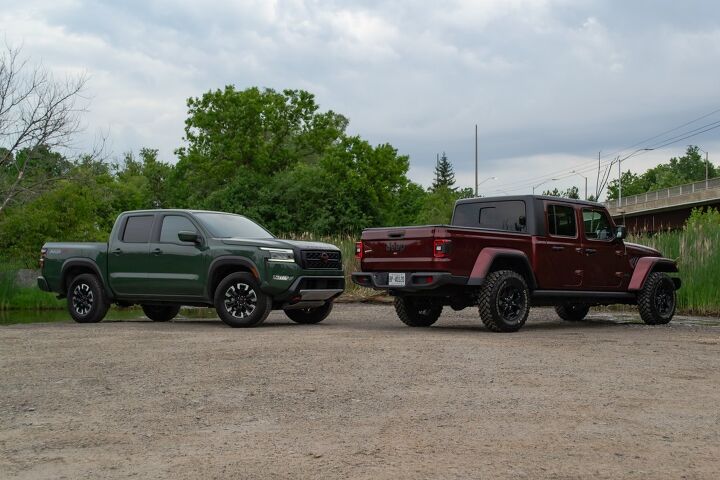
point(362, 396)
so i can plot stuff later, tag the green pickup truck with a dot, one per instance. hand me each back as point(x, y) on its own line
point(162, 259)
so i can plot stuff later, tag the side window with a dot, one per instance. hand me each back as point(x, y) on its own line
point(138, 229)
point(172, 224)
point(561, 221)
point(597, 225)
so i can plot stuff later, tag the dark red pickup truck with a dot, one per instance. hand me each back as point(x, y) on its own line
point(505, 254)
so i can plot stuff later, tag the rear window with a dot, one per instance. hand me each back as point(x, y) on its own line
point(508, 215)
point(561, 221)
point(137, 229)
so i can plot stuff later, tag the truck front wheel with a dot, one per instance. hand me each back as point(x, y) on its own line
point(657, 299)
point(417, 311)
point(504, 301)
point(240, 302)
point(86, 301)
point(310, 315)
point(161, 313)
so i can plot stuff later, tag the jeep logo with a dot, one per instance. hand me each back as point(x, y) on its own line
point(394, 247)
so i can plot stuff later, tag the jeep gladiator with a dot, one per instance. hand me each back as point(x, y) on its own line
point(162, 259)
point(504, 254)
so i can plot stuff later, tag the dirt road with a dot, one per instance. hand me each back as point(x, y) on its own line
point(361, 396)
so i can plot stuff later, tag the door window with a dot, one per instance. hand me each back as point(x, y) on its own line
point(137, 229)
point(172, 224)
point(597, 225)
point(561, 221)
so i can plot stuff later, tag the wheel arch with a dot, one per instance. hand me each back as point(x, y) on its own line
point(224, 266)
point(493, 259)
point(647, 265)
point(73, 267)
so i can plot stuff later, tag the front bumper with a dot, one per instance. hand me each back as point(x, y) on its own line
point(414, 281)
point(312, 291)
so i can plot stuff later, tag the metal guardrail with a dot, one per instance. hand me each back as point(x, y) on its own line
point(679, 191)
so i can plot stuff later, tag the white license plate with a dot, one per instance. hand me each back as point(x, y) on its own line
point(396, 279)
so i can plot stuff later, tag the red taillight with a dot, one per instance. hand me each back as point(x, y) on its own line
point(441, 248)
point(358, 250)
point(43, 254)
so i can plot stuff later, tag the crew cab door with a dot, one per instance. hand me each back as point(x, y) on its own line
point(603, 256)
point(558, 266)
point(128, 254)
point(175, 268)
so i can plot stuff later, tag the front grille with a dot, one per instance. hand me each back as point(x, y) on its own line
point(322, 259)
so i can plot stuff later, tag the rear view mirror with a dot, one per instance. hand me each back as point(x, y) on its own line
point(620, 232)
point(185, 236)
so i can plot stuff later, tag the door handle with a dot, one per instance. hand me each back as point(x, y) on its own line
point(157, 251)
point(557, 248)
point(590, 251)
point(117, 251)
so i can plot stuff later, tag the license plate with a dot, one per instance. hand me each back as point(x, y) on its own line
point(396, 279)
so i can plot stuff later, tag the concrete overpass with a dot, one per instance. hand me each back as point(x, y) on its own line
point(664, 209)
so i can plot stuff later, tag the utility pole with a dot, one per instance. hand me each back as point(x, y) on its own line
point(476, 161)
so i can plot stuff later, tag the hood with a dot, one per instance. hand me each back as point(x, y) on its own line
point(279, 243)
point(636, 250)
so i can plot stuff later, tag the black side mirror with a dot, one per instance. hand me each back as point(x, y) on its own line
point(620, 232)
point(185, 236)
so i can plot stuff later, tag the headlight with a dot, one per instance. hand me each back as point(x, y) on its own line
point(279, 254)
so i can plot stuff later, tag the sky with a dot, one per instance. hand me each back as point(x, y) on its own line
point(549, 83)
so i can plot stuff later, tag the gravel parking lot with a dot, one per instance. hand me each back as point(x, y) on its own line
point(362, 396)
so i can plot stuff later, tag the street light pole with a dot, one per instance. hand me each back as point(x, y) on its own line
point(476, 162)
point(543, 183)
point(707, 164)
point(620, 160)
point(478, 184)
point(583, 176)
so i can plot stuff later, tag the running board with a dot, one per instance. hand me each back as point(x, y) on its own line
point(552, 297)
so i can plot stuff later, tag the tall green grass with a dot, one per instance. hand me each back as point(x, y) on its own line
point(14, 297)
point(697, 250)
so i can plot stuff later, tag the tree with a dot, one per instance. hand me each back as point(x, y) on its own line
point(38, 115)
point(571, 192)
point(444, 174)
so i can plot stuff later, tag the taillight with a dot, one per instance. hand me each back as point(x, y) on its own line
point(441, 248)
point(43, 254)
point(358, 250)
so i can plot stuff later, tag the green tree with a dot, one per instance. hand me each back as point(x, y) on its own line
point(444, 174)
point(571, 192)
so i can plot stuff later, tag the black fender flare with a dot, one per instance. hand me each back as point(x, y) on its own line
point(225, 261)
point(84, 263)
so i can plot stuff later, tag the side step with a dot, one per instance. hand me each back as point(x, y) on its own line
point(553, 297)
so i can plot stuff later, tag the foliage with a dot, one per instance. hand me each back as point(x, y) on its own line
point(678, 171)
point(444, 174)
point(571, 192)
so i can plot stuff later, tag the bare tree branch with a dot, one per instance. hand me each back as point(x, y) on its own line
point(37, 114)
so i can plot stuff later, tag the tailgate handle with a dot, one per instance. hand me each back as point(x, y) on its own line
point(396, 234)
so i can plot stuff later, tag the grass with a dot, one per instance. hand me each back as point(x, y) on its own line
point(14, 297)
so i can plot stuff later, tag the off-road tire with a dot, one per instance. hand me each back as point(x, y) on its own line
point(504, 301)
point(572, 312)
point(657, 299)
point(309, 316)
point(86, 299)
point(234, 297)
point(417, 311)
point(160, 313)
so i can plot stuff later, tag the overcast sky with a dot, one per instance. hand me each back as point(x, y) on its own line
point(549, 83)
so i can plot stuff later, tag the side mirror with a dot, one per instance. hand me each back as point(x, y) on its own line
point(185, 236)
point(620, 232)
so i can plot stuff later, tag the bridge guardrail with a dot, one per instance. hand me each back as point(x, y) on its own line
point(665, 193)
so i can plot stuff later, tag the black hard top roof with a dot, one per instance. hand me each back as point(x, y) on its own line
point(528, 198)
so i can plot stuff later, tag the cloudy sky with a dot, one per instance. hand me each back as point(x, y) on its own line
point(548, 82)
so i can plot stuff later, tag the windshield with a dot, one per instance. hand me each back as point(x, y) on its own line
point(225, 225)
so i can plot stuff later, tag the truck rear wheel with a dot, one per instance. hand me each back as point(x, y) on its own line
point(240, 302)
point(504, 301)
point(572, 312)
point(310, 315)
point(160, 313)
point(417, 311)
point(657, 299)
point(86, 301)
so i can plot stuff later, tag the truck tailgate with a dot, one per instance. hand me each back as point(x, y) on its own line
point(401, 248)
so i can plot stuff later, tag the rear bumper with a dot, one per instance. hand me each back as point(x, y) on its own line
point(43, 284)
point(414, 281)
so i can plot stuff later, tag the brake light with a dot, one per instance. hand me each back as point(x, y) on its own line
point(441, 248)
point(43, 254)
point(359, 250)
